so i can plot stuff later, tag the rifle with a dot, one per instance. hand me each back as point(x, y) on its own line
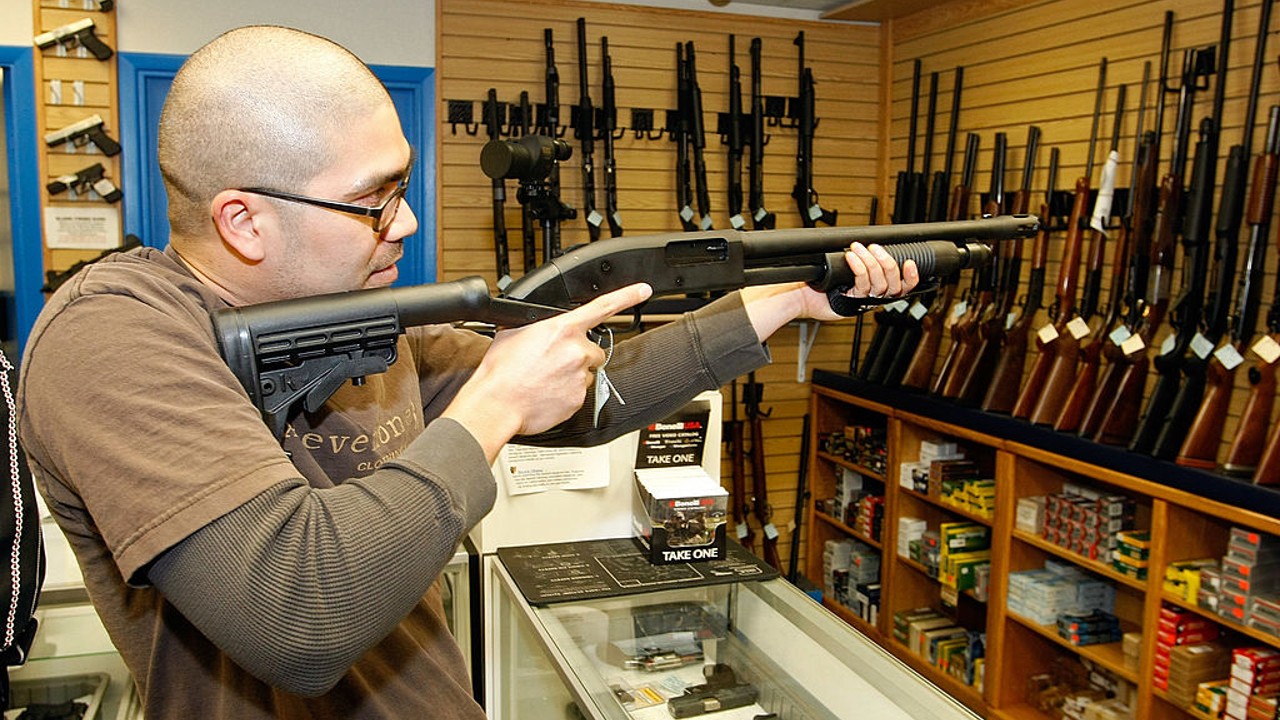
point(299, 351)
point(1061, 341)
point(555, 211)
point(811, 210)
point(752, 395)
point(738, 472)
point(528, 232)
point(1002, 390)
point(493, 128)
point(1136, 226)
point(913, 320)
point(1205, 436)
point(731, 134)
point(802, 500)
point(888, 337)
point(1204, 433)
point(941, 318)
point(680, 134)
point(905, 196)
point(697, 136)
point(1157, 212)
point(1160, 431)
point(761, 219)
point(1090, 359)
point(967, 331)
point(609, 133)
point(585, 131)
point(79, 33)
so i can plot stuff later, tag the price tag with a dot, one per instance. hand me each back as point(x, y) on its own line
point(1228, 356)
point(741, 530)
point(918, 310)
point(1047, 333)
point(1120, 335)
point(1078, 328)
point(738, 222)
point(1267, 349)
point(815, 212)
point(595, 218)
point(1133, 344)
point(1010, 319)
point(1201, 346)
point(1169, 343)
point(706, 223)
point(617, 219)
point(961, 308)
point(770, 531)
point(898, 306)
point(760, 214)
point(686, 213)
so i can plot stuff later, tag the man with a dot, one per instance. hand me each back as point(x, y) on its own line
point(243, 579)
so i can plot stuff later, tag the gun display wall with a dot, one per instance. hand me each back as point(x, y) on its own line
point(1061, 104)
point(76, 76)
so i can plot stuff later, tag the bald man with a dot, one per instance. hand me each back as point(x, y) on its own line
point(246, 578)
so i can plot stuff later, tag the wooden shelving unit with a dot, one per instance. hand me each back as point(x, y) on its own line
point(1187, 516)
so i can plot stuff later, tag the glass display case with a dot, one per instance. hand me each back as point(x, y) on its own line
point(742, 650)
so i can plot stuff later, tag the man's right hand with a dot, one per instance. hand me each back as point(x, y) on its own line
point(535, 377)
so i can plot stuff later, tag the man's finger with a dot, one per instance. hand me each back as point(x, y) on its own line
point(893, 280)
point(606, 306)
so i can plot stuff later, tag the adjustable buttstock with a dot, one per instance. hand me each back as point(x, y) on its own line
point(1200, 447)
point(1251, 435)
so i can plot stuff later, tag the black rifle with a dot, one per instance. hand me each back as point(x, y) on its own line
point(528, 230)
point(298, 352)
point(698, 140)
point(1160, 432)
point(906, 200)
point(680, 134)
point(761, 219)
point(585, 131)
point(731, 134)
point(556, 211)
point(493, 125)
point(609, 133)
point(807, 202)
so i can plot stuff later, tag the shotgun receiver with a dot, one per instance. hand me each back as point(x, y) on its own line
point(300, 351)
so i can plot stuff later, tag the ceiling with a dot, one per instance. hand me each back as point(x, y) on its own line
point(853, 10)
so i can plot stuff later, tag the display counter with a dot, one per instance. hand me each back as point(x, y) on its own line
point(742, 649)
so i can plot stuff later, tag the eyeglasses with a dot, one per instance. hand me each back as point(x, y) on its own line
point(383, 214)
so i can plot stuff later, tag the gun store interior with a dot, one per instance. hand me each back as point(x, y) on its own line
point(1036, 485)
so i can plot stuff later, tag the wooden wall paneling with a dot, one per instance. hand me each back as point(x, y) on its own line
point(75, 85)
point(1036, 62)
point(499, 44)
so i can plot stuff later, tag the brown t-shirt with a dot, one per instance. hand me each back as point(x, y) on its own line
point(139, 435)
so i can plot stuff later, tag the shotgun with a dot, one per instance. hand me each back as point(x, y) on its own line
point(752, 395)
point(761, 219)
point(608, 133)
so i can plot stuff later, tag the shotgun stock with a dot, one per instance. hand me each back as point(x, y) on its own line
point(752, 394)
point(738, 472)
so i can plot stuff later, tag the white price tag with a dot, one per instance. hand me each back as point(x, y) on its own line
point(1120, 335)
point(1047, 333)
point(1169, 343)
point(1010, 319)
point(918, 310)
point(1201, 346)
point(1267, 349)
point(815, 212)
point(1133, 344)
point(1078, 328)
point(1229, 356)
point(595, 218)
point(961, 308)
point(898, 306)
point(686, 213)
point(770, 531)
point(705, 224)
point(738, 222)
point(741, 530)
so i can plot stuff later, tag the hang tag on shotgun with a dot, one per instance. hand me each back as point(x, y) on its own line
point(737, 222)
point(918, 310)
point(961, 308)
point(1229, 356)
point(1201, 346)
point(686, 213)
point(815, 212)
point(1169, 344)
point(1267, 349)
point(1078, 327)
point(1010, 318)
point(1047, 333)
point(741, 531)
point(595, 218)
point(1120, 335)
point(1132, 345)
point(770, 531)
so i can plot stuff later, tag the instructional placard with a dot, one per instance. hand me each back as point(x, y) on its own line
point(91, 227)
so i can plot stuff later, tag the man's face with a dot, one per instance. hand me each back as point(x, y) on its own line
point(328, 251)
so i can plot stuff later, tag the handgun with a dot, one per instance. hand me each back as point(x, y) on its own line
point(93, 177)
point(80, 32)
point(82, 132)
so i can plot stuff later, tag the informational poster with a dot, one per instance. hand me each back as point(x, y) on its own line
point(88, 227)
point(526, 469)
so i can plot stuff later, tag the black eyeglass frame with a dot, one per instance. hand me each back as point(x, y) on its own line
point(394, 198)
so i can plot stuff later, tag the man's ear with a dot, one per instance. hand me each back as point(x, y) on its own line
point(241, 219)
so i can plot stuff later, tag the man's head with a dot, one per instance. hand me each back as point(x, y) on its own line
point(285, 112)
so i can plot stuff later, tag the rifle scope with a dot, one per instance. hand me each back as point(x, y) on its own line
point(526, 159)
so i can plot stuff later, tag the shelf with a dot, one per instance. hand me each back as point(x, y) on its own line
point(1108, 655)
point(923, 570)
point(964, 693)
point(1020, 712)
point(850, 617)
point(848, 530)
point(1094, 566)
point(966, 514)
point(1190, 711)
point(860, 469)
point(1231, 625)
